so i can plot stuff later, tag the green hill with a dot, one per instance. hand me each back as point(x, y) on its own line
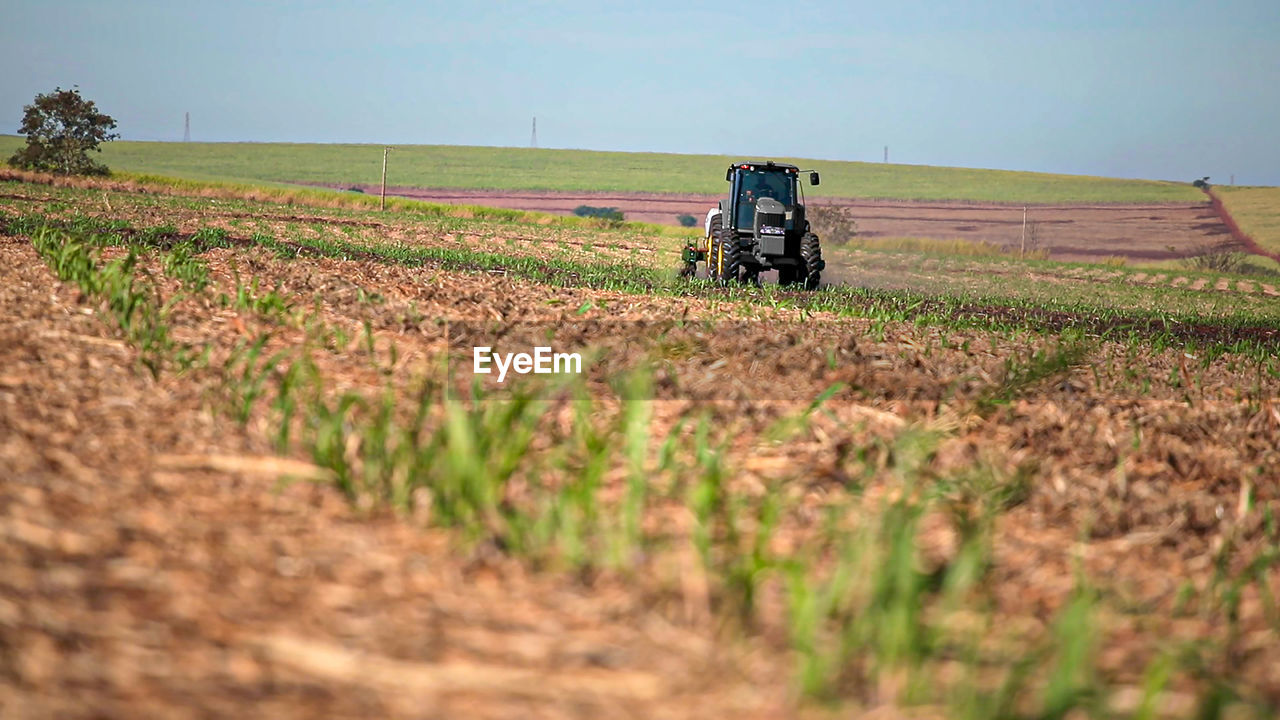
point(524, 168)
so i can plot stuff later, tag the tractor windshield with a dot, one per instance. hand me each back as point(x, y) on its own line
point(755, 184)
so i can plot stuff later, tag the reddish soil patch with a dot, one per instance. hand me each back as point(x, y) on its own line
point(1068, 232)
point(660, 208)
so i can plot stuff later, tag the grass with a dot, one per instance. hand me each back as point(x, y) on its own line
point(1255, 265)
point(546, 169)
point(1257, 211)
point(952, 247)
point(1056, 286)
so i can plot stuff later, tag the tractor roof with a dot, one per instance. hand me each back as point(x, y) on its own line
point(763, 165)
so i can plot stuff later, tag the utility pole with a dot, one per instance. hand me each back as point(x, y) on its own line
point(186, 130)
point(886, 153)
point(382, 202)
point(533, 139)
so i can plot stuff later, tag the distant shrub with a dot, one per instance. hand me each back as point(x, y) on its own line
point(603, 213)
point(687, 220)
point(353, 188)
point(834, 224)
point(1220, 259)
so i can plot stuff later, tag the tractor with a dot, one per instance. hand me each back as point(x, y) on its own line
point(760, 226)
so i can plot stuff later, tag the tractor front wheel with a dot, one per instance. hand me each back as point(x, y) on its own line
point(811, 255)
point(725, 265)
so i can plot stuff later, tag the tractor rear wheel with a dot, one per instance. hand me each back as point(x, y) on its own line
point(811, 255)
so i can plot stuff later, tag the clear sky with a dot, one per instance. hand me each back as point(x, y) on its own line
point(1168, 89)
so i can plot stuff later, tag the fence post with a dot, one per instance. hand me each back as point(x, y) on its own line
point(1023, 254)
point(382, 202)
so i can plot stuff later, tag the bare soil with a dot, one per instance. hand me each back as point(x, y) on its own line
point(1068, 232)
point(151, 564)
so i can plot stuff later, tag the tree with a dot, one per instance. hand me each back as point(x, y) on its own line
point(61, 128)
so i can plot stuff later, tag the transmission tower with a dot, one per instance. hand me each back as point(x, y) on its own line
point(533, 139)
point(186, 129)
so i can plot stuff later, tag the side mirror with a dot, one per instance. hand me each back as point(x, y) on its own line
point(728, 174)
point(813, 178)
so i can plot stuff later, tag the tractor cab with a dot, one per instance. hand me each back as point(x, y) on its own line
point(749, 185)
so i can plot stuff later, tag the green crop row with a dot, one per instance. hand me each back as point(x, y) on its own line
point(1160, 317)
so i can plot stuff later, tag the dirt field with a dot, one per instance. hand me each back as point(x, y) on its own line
point(153, 564)
point(1070, 233)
